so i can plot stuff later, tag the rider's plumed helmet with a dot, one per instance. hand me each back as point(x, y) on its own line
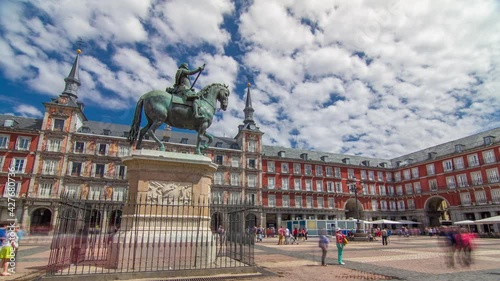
point(184, 65)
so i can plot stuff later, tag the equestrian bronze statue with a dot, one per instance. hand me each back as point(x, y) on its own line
point(179, 107)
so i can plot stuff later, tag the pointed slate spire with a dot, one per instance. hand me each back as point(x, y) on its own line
point(72, 81)
point(248, 108)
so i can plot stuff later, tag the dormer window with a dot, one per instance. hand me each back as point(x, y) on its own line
point(281, 154)
point(184, 140)
point(459, 148)
point(488, 140)
point(365, 163)
point(323, 158)
point(234, 146)
point(346, 161)
point(432, 155)
point(303, 156)
point(218, 144)
point(85, 130)
point(107, 132)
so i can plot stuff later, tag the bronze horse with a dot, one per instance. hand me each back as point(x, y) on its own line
point(159, 109)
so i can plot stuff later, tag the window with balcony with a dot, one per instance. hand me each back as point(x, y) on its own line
point(95, 192)
point(296, 168)
point(219, 178)
point(330, 187)
point(23, 143)
point(430, 169)
point(397, 176)
point(417, 187)
point(251, 164)
point(409, 188)
point(308, 170)
point(331, 203)
point(270, 182)
point(392, 205)
point(401, 205)
point(271, 200)
point(11, 189)
point(284, 168)
point(297, 184)
point(118, 194)
point(319, 171)
point(390, 190)
point(286, 201)
point(373, 189)
point(4, 141)
point(99, 170)
point(102, 149)
point(415, 173)
point(465, 199)
point(44, 190)
point(495, 195)
point(380, 176)
point(433, 185)
point(448, 165)
point(477, 178)
point(383, 205)
point(462, 180)
point(122, 172)
point(235, 161)
point(480, 196)
point(270, 167)
point(492, 175)
point(235, 179)
point(337, 172)
point(219, 159)
point(58, 125)
point(72, 190)
point(381, 190)
point(18, 164)
point(251, 198)
point(350, 173)
point(54, 145)
point(388, 176)
point(399, 189)
point(329, 171)
point(459, 163)
point(284, 183)
point(473, 160)
point(450, 182)
point(298, 201)
point(123, 150)
point(252, 180)
point(407, 174)
point(371, 175)
point(489, 157)
point(374, 205)
point(363, 174)
point(411, 204)
point(309, 202)
point(319, 186)
point(79, 147)
point(252, 146)
point(76, 168)
point(338, 186)
point(308, 185)
point(50, 167)
point(321, 203)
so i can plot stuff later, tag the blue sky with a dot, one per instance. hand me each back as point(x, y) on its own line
point(372, 78)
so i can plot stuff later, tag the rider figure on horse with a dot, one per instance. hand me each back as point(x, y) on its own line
point(182, 86)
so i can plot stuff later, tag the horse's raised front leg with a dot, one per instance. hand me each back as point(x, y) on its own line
point(210, 140)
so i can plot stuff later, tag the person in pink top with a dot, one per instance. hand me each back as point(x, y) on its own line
point(339, 238)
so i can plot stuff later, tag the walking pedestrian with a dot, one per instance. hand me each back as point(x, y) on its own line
point(323, 244)
point(339, 238)
point(384, 236)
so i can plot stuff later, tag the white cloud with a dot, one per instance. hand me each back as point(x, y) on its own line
point(28, 111)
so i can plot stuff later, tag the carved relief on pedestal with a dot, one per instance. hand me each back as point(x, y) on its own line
point(169, 193)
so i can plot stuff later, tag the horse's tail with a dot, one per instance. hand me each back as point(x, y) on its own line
point(136, 123)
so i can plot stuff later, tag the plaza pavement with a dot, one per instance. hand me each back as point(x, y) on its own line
point(412, 259)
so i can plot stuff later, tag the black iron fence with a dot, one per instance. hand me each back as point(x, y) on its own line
point(95, 236)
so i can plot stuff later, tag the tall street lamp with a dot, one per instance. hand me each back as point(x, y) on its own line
point(353, 187)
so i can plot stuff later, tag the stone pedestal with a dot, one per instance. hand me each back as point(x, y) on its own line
point(166, 221)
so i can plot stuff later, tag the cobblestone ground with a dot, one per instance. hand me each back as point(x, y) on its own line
point(412, 259)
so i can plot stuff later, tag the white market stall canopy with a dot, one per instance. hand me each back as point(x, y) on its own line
point(383, 222)
point(495, 219)
point(409, 222)
point(465, 222)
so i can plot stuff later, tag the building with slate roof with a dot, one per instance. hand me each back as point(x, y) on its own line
point(63, 153)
